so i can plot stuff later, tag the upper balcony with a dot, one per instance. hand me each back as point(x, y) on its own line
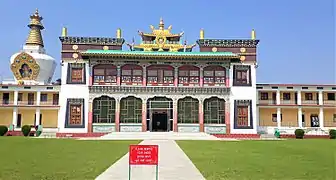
point(42, 99)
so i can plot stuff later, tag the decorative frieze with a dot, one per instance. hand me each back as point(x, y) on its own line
point(160, 90)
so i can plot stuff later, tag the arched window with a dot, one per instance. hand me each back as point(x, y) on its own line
point(188, 110)
point(188, 75)
point(160, 74)
point(104, 110)
point(214, 111)
point(130, 110)
point(131, 74)
point(104, 74)
point(214, 75)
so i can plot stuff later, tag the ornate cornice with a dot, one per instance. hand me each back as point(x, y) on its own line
point(92, 40)
point(228, 42)
point(220, 91)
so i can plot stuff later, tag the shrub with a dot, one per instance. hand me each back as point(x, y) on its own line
point(299, 133)
point(3, 130)
point(26, 130)
point(332, 133)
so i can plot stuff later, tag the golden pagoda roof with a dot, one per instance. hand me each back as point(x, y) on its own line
point(161, 31)
point(35, 25)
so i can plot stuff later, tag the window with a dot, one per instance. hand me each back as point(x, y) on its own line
point(331, 96)
point(104, 110)
point(264, 96)
point(76, 73)
point(20, 97)
point(274, 117)
point(308, 96)
point(187, 76)
point(214, 111)
point(286, 96)
point(55, 99)
point(75, 113)
point(242, 75)
point(334, 118)
point(131, 74)
point(214, 75)
point(188, 110)
point(160, 74)
point(130, 110)
point(105, 73)
point(243, 114)
point(44, 97)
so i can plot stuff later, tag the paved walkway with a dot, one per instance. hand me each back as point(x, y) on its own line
point(173, 165)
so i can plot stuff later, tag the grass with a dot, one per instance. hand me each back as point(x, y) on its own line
point(263, 160)
point(50, 159)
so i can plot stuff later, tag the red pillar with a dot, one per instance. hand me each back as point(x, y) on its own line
point(176, 76)
point(90, 80)
point(90, 118)
point(201, 80)
point(227, 117)
point(201, 115)
point(144, 115)
point(117, 118)
point(227, 79)
point(118, 75)
point(144, 76)
point(175, 116)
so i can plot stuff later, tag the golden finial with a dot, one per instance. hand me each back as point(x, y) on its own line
point(201, 34)
point(35, 25)
point(118, 33)
point(161, 25)
point(253, 34)
point(64, 32)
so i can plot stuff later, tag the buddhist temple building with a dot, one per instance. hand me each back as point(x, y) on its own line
point(161, 84)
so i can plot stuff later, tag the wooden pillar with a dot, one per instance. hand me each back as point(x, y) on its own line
point(90, 116)
point(144, 115)
point(117, 115)
point(201, 114)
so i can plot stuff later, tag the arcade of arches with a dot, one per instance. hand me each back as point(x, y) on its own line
point(158, 113)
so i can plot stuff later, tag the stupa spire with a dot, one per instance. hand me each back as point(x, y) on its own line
point(35, 25)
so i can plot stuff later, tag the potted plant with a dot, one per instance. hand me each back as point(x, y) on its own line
point(26, 130)
point(299, 133)
point(3, 130)
point(332, 133)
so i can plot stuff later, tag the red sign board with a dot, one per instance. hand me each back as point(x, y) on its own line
point(143, 154)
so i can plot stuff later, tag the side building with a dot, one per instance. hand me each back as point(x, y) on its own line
point(158, 85)
point(30, 98)
point(291, 106)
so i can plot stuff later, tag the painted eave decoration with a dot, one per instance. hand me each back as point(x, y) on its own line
point(25, 67)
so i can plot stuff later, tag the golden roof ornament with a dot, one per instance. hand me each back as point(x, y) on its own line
point(35, 25)
point(253, 34)
point(161, 39)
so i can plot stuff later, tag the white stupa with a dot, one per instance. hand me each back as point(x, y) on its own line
point(32, 66)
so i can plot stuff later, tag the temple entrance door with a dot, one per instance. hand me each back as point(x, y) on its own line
point(159, 122)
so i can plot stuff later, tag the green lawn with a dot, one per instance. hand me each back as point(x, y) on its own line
point(264, 160)
point(51, 159)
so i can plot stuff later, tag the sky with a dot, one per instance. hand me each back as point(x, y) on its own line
point(297, 37)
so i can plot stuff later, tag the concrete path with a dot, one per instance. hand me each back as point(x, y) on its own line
point(174, 164)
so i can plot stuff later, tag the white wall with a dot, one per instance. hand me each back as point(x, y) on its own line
point(72, 91)
point(244, 93)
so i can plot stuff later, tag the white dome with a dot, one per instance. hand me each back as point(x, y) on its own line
point(46, 65)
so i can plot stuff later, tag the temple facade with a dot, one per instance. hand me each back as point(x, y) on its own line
point(160, 84)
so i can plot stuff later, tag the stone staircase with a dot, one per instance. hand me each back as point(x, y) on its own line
point(154, 136)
